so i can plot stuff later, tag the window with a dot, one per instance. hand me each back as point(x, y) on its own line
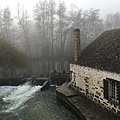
point(112, 90)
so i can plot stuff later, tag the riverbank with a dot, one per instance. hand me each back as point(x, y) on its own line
point(82, 106)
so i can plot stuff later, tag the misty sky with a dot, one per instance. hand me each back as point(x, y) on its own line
point(105, 6)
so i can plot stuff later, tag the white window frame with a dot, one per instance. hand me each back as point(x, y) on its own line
point(114, 90)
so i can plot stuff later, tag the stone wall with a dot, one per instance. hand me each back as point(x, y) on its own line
point(89, 81)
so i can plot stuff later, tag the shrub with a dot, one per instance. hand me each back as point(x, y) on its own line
point(11, 58)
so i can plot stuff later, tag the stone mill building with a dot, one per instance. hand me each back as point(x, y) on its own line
point(96, 69)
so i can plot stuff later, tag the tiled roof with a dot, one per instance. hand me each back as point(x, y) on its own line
point(103, 53)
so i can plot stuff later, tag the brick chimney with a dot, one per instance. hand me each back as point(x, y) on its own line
point(76, 44)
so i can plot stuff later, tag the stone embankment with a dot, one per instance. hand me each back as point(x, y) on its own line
point(82, 106)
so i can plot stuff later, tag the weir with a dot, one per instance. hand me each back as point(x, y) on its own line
point(27, 94)
point(54, 78)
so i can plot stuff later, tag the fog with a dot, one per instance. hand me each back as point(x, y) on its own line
point(105, 6)
point(43, 30)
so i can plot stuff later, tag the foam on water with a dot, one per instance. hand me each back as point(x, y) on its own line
point(5, 90)
point(18, 96)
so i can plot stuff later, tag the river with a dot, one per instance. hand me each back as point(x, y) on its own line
point(26, 102)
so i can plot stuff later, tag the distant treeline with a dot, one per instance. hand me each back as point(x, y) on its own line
point(48, 38)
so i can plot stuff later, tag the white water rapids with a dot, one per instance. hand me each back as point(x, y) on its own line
point(26, 102)
point(16, 96)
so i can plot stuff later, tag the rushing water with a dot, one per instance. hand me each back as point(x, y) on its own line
point(27, 102)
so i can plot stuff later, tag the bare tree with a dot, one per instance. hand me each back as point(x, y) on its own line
point(6, 23)
point(112, 21)
point(23, 22)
